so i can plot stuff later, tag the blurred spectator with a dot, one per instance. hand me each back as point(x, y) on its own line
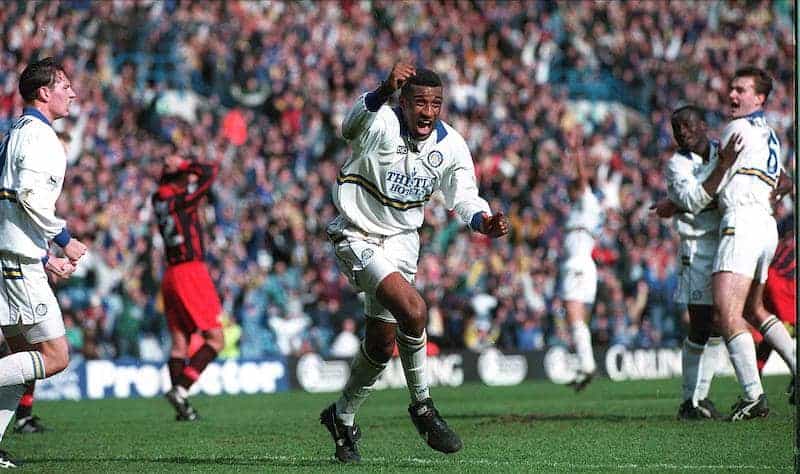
point(346, 343)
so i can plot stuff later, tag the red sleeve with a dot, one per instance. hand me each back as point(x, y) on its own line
point(206, 173)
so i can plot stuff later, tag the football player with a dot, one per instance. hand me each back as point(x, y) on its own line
point(693, 174)
point(401, 156)
point(32, 166)
point(748, 238)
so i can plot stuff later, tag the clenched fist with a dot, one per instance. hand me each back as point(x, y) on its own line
point(398, 77)
point(494, 226)
point(59, 268)
point(74, 250)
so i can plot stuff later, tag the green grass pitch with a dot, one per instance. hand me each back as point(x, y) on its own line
point(534, 427)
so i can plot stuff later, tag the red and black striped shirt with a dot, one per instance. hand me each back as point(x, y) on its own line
point(178, 219)
point(784, 261)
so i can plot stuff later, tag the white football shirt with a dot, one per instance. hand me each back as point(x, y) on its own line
point(32, 164)
point(685, 174)
point(751, 179)
point(383, 187)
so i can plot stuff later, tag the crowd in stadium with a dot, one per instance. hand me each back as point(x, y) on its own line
point(261, 88)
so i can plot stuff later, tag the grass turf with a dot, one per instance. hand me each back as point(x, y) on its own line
point(534, 427)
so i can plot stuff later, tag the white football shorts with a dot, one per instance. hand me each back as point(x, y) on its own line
point(696, 266)
point(27, 303)
point(367, 259)
point(578, 280)
point(748, 237)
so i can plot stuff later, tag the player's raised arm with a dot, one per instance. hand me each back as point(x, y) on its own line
point(575, 153)
point(361, 117)
point(206, 174)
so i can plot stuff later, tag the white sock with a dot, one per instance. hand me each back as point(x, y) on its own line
point(582, 339)
point(708, 367)
point(777, 336)
point(21, 367)
point(182, 392)
point(692, 354)
point(9, 399)
point(364, 372)
point(742, 350)
point(414, 357)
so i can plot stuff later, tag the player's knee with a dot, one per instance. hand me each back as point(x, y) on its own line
point(215, 339)
point(717, 318)
point(380, 349)
point(699, 334)
point(755, 313)
point(416, 317)
point(55, 362)
point(180, 345)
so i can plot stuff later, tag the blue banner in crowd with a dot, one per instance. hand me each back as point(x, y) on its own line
point(96, 379)
point(311, 372)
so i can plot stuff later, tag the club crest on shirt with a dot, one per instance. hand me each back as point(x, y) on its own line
point(52, 181)
point(402, 150)
point(366, 256)
point(41, 309)
point(435, 158)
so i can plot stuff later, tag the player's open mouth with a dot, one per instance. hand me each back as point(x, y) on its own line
point(424, 127)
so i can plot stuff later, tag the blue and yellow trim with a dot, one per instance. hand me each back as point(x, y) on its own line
point(8, 195)
point(729, 231)
point(771, 182)
point(12, 273)
point(38, 364)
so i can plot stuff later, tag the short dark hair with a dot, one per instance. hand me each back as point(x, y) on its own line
point(423, 77)
point(761, 80)
point(41, 73)
point(688, 113)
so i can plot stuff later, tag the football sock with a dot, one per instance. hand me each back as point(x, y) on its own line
point(777, 336)
point(709, 363)
point(196, 365)
point(413, 355)
point(175, 366)
point(9, 398)
point(21, 367)
point(742, 350)
point(692, 354)
point(25, 407)
point(582, 339)
point(364, 372)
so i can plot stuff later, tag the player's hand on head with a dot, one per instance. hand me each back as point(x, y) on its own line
point(728, 153)
point(74, 250)
point(172, 163)
point(664, 208)
point(401, 72)
point(495, 226)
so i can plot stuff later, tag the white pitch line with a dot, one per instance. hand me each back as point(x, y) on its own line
point(541, 464)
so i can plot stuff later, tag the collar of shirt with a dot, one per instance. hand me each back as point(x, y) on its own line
point(34, 112)
point(758, 113)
